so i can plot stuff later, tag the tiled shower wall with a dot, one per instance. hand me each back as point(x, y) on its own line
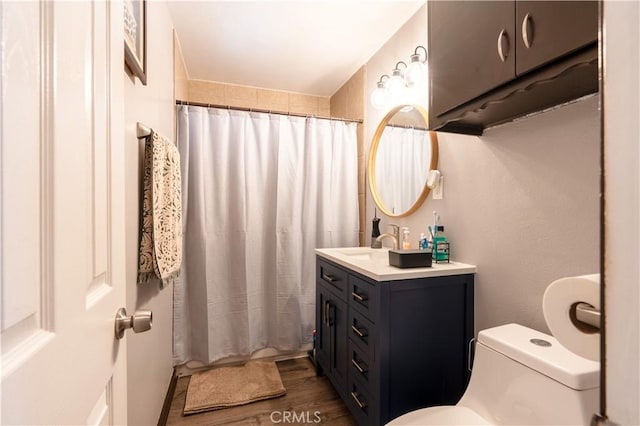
point(347, 102)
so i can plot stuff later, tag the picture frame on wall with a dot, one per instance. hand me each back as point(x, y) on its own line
point(135, 38)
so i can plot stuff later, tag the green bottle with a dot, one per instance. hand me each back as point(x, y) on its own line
point(440, 251)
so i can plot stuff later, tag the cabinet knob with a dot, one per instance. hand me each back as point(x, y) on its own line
point(527, 31)
point(503, 45)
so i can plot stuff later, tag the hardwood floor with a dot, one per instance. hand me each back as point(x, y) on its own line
point(308, 398)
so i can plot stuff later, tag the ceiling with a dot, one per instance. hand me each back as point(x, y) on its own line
point(311, 46)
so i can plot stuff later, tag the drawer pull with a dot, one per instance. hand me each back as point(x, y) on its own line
point(359, 332)
point(356, 398)
point(358, 297)
point(361, 369)
point(329, 278)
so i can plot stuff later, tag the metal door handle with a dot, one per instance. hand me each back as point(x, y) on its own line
point(140, 321)
point(527, 35)
point(503, 45)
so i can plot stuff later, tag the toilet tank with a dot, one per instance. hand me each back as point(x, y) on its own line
point(522, 376)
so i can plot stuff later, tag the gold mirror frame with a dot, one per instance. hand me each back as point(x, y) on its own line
point(373, 185)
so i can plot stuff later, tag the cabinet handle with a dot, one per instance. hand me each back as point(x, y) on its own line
point(326, 314)
point(469, 353)
point(329, 278)
point(503, 45)
point(527, 33)
point(356, 398)
point(358, 332)
point(358, 297)
point(361, 369)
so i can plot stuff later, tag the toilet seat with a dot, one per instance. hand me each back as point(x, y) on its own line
point(443, 415)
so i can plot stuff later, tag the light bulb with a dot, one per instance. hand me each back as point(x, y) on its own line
point(379, 96)
point(397, 88)
point(416, 73)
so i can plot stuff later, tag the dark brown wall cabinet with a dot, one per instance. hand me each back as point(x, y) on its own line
point(491, 62)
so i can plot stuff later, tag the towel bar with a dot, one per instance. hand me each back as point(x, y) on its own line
point(142, 131)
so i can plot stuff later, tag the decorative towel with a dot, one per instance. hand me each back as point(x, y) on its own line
point(161, 234)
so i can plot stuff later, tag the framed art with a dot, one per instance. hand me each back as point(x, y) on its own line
point(135, 38)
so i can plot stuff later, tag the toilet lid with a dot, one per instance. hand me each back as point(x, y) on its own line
point(443, 415)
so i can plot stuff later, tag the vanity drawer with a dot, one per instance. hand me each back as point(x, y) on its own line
point(363, 297)
point(361, 404)
point(361, 368)
point(333, 276)
point(361, 332)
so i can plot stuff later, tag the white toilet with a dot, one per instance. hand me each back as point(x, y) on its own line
point(520, 377)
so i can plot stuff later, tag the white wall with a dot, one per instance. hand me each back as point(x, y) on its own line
point(622, 195)
point(520, 202)
point(149, 357)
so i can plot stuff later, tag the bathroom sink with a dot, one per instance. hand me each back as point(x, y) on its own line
point(362, 253)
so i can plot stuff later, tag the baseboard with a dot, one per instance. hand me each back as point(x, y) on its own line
point(168, 399)
point(270, 354)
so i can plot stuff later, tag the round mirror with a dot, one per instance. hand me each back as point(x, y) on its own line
point(402, 153)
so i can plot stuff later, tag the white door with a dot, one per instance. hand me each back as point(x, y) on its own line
point(62, 213)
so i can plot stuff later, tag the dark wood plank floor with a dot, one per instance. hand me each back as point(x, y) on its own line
point(306, 395)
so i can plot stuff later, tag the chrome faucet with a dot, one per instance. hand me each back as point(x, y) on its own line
point(395, 236)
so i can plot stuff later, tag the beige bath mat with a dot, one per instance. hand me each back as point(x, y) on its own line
point(230, 386)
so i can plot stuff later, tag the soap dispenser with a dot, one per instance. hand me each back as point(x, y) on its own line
point(406, 242)
point(375, 231)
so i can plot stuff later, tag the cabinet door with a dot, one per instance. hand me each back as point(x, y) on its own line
point(331, 341)
point(323, 338)
point(338, 321)
point(547, 30)
point(471, 50)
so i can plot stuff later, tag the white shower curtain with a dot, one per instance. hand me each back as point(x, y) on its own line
point(260, 192)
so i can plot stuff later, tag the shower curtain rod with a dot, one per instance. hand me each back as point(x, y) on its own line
point(268, 111)
point(405, 126)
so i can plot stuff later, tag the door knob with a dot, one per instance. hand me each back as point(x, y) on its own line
point(140, 321)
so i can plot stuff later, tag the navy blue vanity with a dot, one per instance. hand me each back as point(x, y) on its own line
point(392, 340)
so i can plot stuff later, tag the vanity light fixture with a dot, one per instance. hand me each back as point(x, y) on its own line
point(405, 86)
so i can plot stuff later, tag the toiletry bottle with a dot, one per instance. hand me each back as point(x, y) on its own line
point(375, 231)
point(440, 252)
point(406, 244)
point(422, 245)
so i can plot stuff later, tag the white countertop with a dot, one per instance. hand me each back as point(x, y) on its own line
point(374, 263)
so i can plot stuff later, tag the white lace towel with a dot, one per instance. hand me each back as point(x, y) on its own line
point(161, 234)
